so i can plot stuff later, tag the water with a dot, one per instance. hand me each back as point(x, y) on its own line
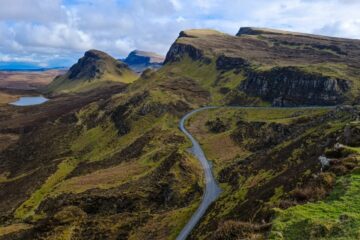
point(29, 101)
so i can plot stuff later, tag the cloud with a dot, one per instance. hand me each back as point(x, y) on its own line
point(59, 31)
point(37, 10)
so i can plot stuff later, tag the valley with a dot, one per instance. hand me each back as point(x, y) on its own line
point(14, 84)
point(106, 158)
point(27, 80)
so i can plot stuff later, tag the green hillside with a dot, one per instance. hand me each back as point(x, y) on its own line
point(108, 161)
point(92, 71)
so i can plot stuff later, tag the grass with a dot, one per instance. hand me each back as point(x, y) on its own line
point(27, 209)
point(6, 140)
point(166, 225)
point(232, 198)
point(225, 153)
point(206, 75)
point(103, 141)
point(17, 227)
point(355, 149)
point(6, 98)
point(104, 178)
point(64, 85)
point(337, 217)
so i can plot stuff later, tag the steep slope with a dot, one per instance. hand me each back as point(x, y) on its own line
point(138, 60)
point(93, 70)
point(280, 68)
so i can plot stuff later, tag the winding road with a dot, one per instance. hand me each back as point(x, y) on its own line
point(212, 189)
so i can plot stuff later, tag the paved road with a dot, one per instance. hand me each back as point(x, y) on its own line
point(212, 189)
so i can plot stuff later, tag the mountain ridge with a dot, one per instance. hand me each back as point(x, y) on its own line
point(247, 58)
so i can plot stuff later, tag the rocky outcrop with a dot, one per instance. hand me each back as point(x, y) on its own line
point(93, 65)
point(248, 31)
point(227, 63)
point(180, 50)
point(259, 135)
point(290, 86)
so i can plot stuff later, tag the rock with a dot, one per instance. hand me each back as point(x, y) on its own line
point(290, 86)
point(179, 50)
point(216, 126)
point(347, 134)
point(227, 63)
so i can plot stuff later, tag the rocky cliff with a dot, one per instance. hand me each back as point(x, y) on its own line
point(279, 67)
point(289, 86)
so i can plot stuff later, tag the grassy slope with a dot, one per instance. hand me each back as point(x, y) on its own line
point(100, 143)
point(92, 71)
point(225, 155)
point(289, 222)
point(83, 85)
point(337, 217)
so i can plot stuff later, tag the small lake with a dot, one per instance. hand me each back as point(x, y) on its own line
point(29, 101)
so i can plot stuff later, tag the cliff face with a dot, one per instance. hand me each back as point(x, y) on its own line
point(179, 51)
point(280, 67)
point(93, 65)
point(290, 86)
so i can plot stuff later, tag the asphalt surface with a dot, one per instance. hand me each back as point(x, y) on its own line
point(212, 189)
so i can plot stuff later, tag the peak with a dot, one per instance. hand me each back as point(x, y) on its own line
point(257, 31)
point(94, 69)
point(96, 53)
point(194, 33)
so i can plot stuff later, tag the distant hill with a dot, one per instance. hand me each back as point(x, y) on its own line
point(138, 60)
point(31, 69)
point(25, 67)
point(93, 70)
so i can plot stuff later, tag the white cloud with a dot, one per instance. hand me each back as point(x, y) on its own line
point(33, 10)
point(46, 28)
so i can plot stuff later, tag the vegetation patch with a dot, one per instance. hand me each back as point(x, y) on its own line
point(337, 217)
point(28, 208)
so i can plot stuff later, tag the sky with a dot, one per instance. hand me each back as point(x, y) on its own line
point(50, 33)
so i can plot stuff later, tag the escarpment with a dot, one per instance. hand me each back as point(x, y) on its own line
point(290, 86)
point(264, 65)
point(179, 51)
